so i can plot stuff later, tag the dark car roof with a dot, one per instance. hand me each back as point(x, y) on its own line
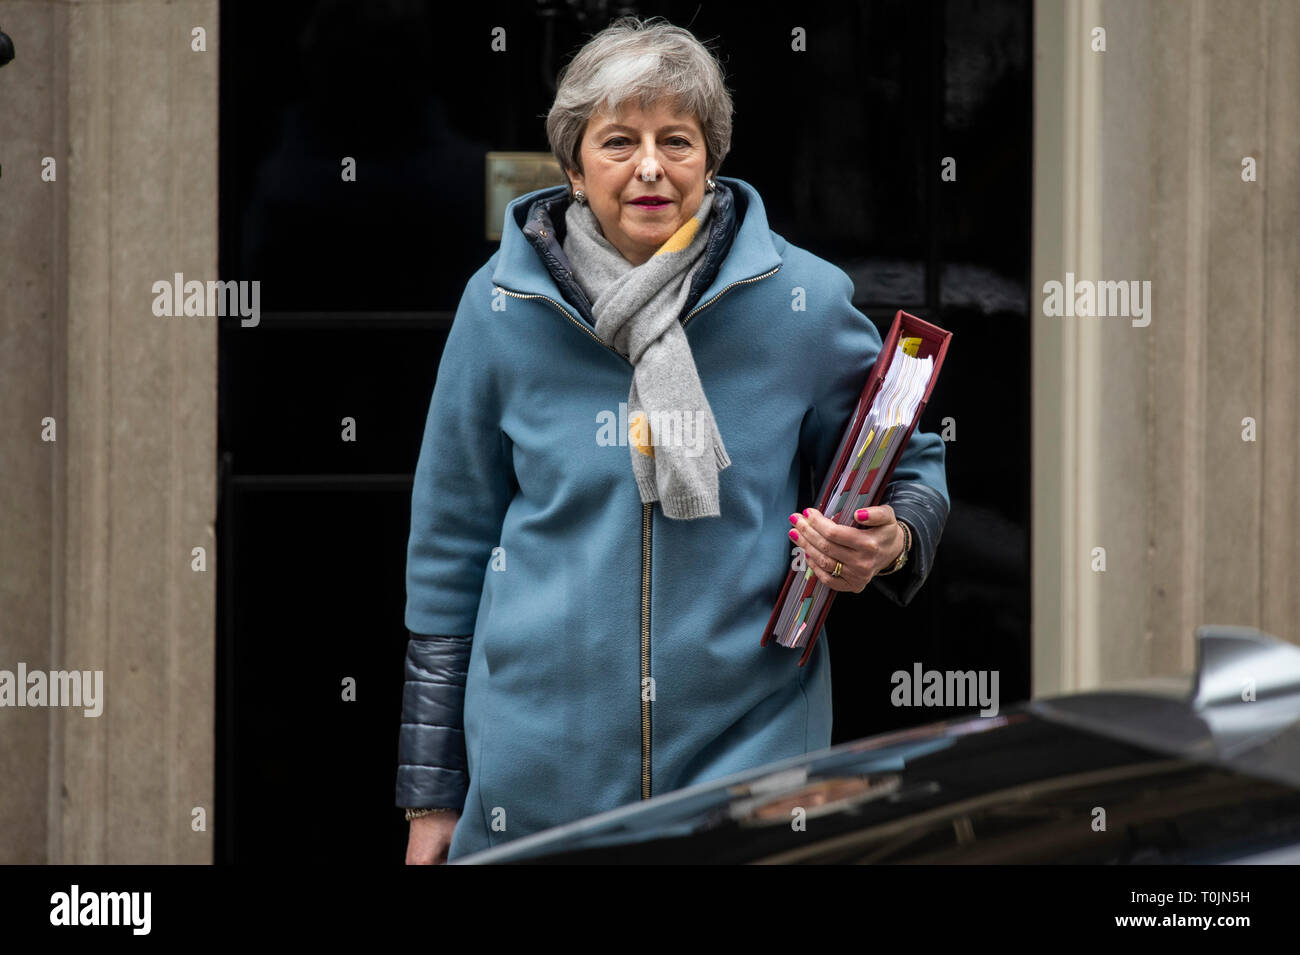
point(1228, 736)
point(1242, 710)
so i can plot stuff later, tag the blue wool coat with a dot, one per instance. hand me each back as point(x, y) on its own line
point(615, 651)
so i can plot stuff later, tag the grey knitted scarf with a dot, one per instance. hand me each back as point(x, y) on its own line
point(673, 439)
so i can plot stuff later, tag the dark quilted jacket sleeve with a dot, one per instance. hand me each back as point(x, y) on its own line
point(431, 767)
point(925, 511)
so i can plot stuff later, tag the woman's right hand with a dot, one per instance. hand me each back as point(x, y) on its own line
point(430, 838)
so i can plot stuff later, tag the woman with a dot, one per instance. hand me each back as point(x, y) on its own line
point(624, 410)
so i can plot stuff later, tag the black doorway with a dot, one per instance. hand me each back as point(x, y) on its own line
point(360, 280)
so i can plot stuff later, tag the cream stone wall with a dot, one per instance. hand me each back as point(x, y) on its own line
point(99, 524)
point(1137, 431)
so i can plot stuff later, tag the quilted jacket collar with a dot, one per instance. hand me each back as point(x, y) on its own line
point(532, 261)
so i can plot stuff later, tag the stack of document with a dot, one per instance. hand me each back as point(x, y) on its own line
point(891, 403)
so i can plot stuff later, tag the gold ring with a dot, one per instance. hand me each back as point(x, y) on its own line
point(838, 567)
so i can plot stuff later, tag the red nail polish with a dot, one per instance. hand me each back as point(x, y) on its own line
point(794, 535)
point(794, 518)
point(864, 514)
point(806, 510)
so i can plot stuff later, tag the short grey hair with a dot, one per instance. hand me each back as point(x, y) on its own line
point(649, 60)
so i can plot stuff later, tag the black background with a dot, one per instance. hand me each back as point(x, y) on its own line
point(359, 281)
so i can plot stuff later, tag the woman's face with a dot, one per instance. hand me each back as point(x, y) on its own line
point(638, 154)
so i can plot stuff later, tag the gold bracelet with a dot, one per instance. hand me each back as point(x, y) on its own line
point(902, 558)
point(417, 813)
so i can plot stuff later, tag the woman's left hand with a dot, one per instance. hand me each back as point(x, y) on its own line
point(864, 548)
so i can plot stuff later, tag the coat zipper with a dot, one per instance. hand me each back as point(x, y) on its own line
point(645, 649)
point(645, 526)
point(724, 290)
point(565, 312)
